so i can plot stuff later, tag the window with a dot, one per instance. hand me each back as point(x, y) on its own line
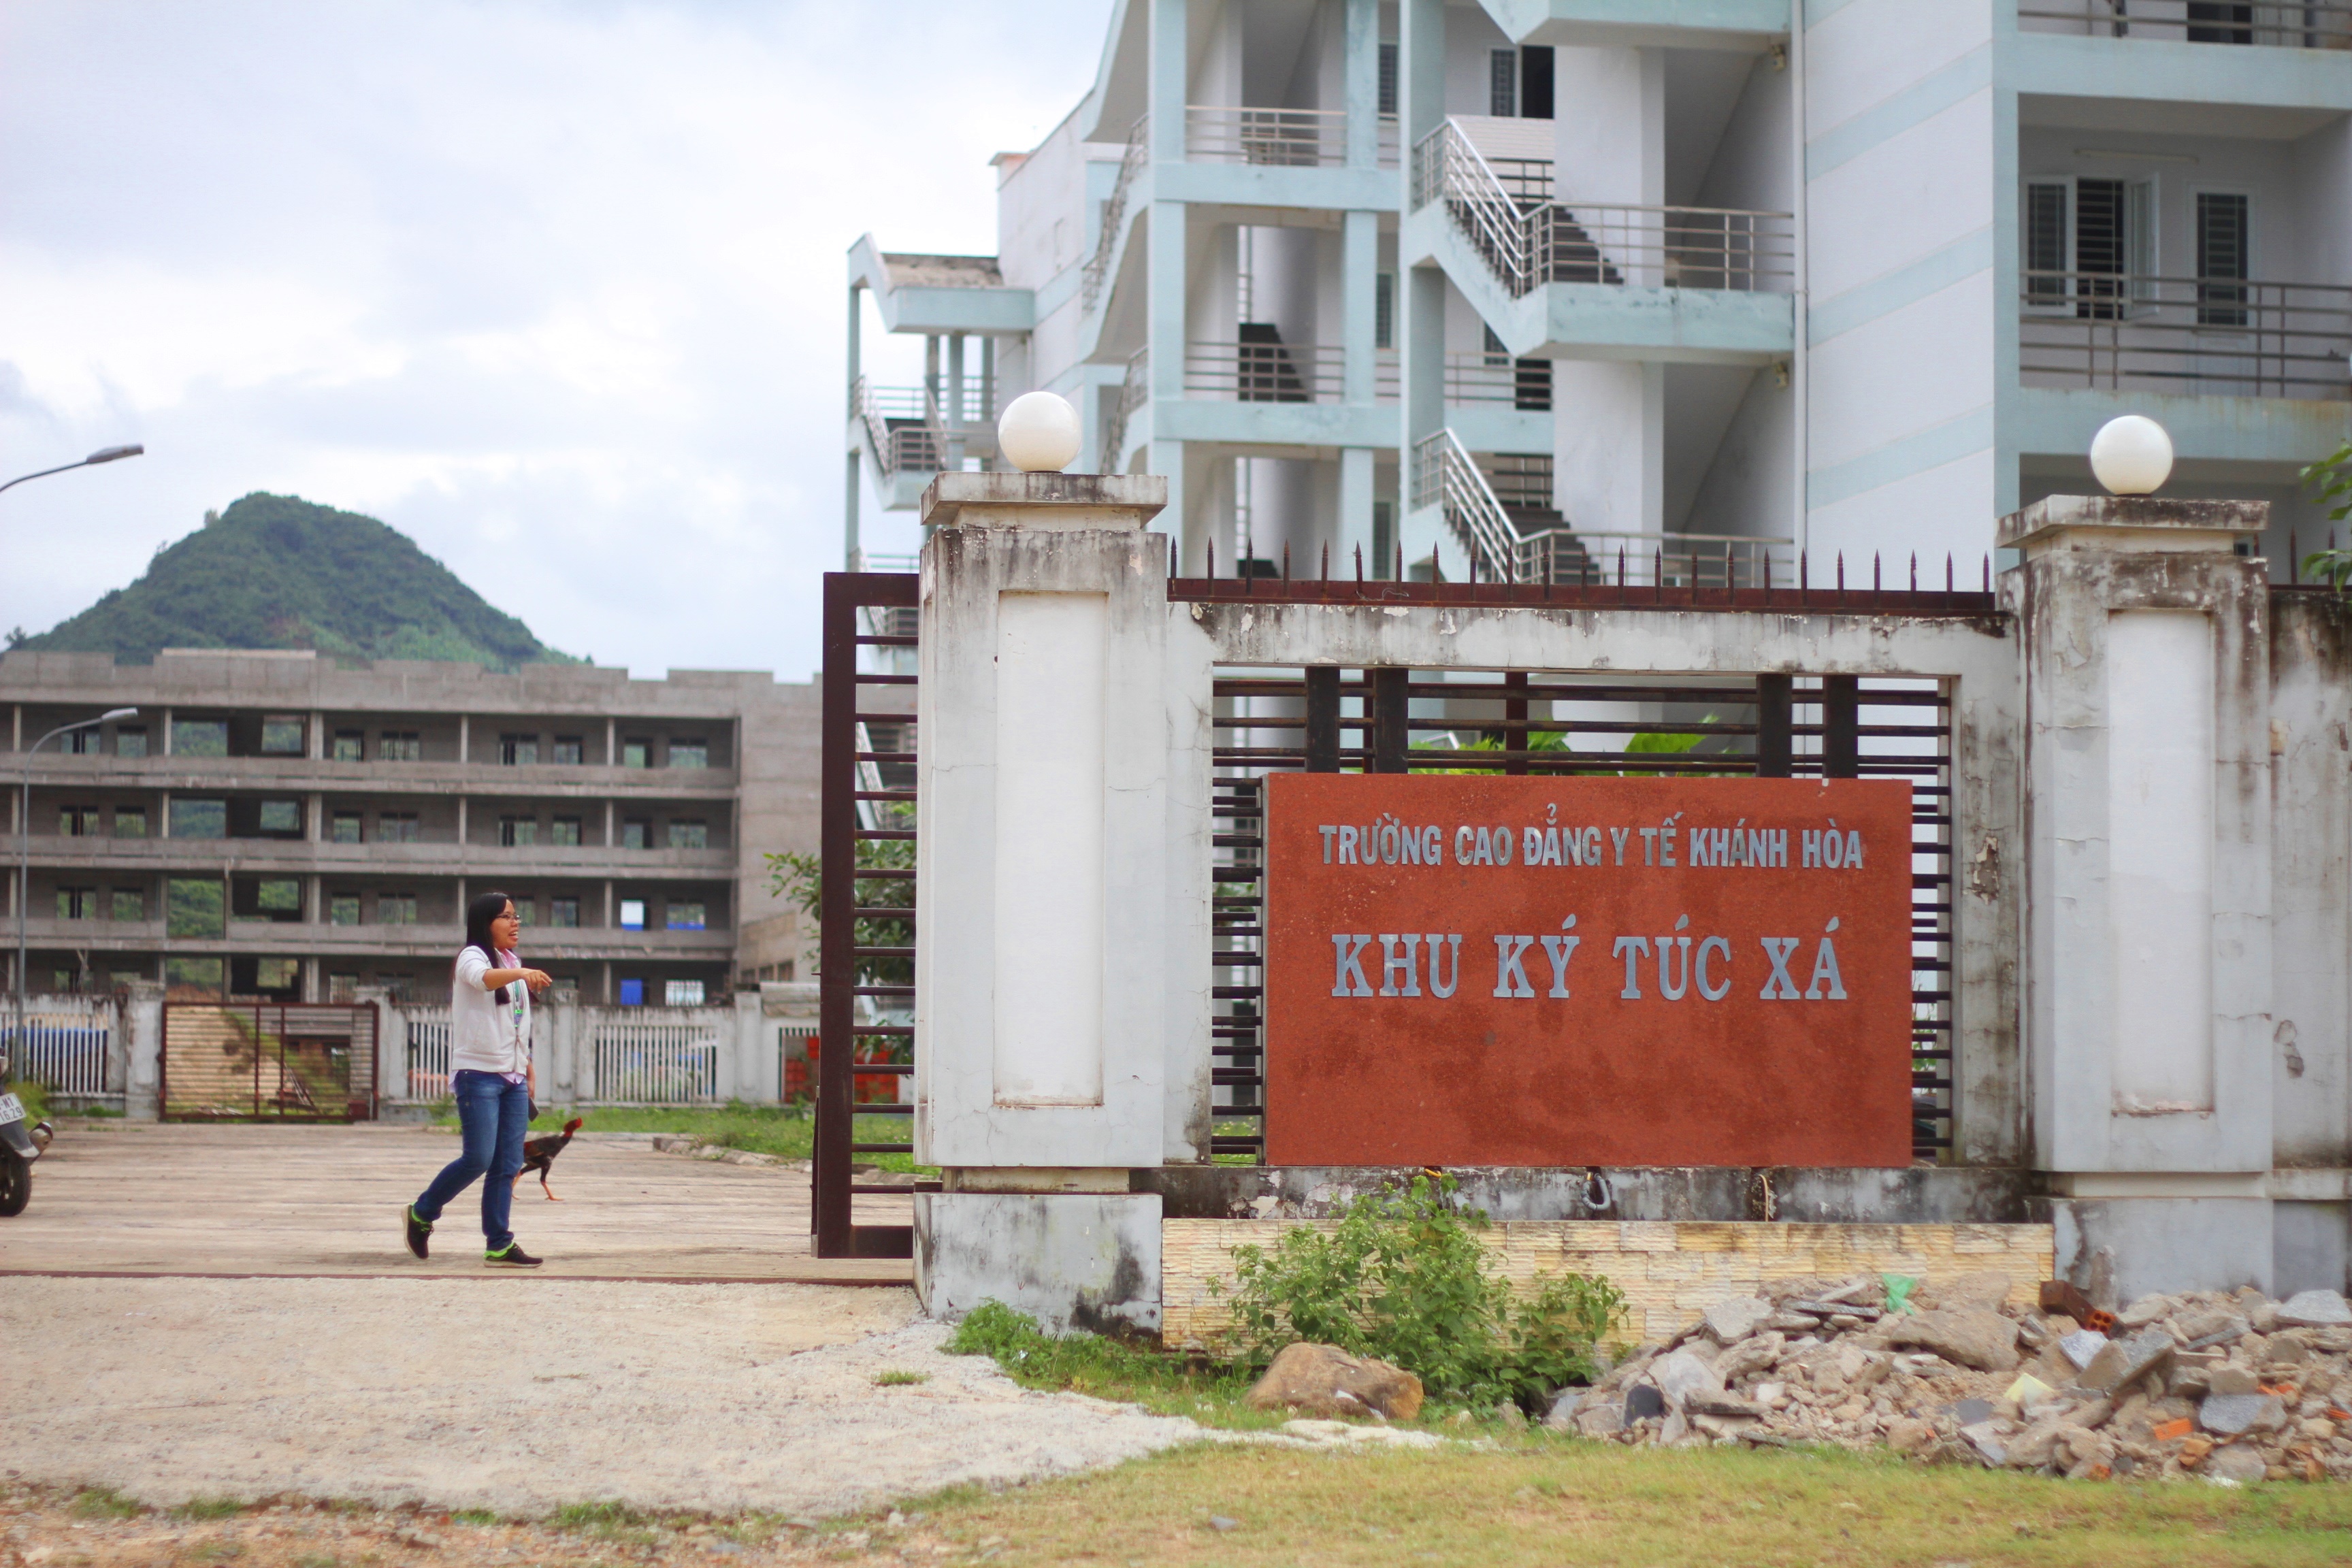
point(2235, 22)
point(131, 740)
point(200, 819)
point(565, 832)
point(689, 835)
point(518, 832)
point(82, 743)
point(343, 909)
point(636, 754)
point(526, 909)
point(2220, 258)
point(682, 992)
point(345, 828)
point(519, 751)
point(198, 974)
point(192, 907)
point(1383, 309)
point(343, 988)
point(277, 974)
point(632, 993)
point(1503, 83)
point(568, 751)
point(1384, 539)
point(395, 909)
point(685, 914)
point(564, 913)
point(690, 753)
point(632, 914)
point(395, 827)
point(78, 821)
point(635, 832)
point(282, 817)
point(77, 903)
point(199, 737)
point(351, 746)
point(270, 899)
point(130, 904)
point(399, 746)
point(131, 822)
point(281, 737)
point(1388, 78)
point(2089, 246)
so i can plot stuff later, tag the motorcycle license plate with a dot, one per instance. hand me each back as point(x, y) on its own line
point(11, 1108)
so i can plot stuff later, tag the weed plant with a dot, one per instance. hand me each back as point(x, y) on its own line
point(1405, 1277)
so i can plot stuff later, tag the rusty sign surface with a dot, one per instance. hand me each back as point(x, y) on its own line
point(1481, 970)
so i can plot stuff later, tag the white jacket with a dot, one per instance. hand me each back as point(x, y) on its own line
point(486, 1034)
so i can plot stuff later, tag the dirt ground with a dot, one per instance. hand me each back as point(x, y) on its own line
point(208, 1313)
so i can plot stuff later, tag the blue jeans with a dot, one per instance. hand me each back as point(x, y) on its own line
point(493, 1116)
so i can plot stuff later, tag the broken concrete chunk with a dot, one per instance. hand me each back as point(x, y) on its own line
point(2082, 1345)
point(1837, 1310)
point(1985, 1439)
point(1791, 1323)
point(2230, 1379)
point(1969, 1411)
point(1986, 1288)
point(1730, 1321)
point(2228, 1415)
point(1604, 1420)
point(2314, 1310)
point(2125, 1362)
point(2237, 1463)
point(1682, 1374)
point(1324, 1380)
point(1973, 1336)
point(2145, 1311)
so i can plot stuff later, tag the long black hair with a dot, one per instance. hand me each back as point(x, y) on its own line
point(480, 911)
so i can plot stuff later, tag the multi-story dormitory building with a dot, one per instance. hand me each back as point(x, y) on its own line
point(1438, 275)
point(286, 825)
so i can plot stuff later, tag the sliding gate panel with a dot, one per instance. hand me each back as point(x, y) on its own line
point(268, 1061)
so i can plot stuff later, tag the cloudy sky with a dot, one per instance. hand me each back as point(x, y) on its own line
point(555, 288)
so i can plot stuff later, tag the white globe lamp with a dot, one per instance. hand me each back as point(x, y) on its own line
point(2132, 456)
point(1038, 433)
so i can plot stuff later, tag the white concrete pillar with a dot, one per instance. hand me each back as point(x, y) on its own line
point(1043, 874)
point(142, 1026)
point(2147, 942)
point(1608, 444)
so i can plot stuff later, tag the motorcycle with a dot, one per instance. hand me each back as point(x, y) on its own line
point(20, 1145)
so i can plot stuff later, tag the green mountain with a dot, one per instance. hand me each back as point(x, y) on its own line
point(278, 571)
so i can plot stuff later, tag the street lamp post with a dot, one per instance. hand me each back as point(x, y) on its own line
point(24, 856)
point(103, 455)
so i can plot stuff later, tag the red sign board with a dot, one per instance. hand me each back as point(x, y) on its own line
point(1494, 971)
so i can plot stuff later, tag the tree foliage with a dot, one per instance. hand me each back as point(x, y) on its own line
point(2329, 482)
point(276, 572)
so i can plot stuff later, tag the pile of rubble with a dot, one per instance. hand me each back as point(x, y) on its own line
point(2235, 1387)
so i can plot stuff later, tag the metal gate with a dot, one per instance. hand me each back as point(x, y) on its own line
point(269, 1061)
point(865, 985)
point(1399, 720)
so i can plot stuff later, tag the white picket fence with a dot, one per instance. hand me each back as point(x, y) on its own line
point(624, 1055)
point(68, 1045)
point(655, 1062)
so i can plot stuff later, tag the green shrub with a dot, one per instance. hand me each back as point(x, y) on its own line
point(1404, 1277)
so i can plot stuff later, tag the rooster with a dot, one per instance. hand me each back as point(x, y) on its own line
point(538, 1154)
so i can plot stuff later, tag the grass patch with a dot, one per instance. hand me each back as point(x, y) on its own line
point(209, 1508)
point(899, 1377)
point(1542, 1500)
point(103, 1502)
point(1209, 1391)
point(36, 1097)
point(474, 1516)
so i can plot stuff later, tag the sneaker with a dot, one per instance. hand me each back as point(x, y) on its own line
point(417, 1229)
point(511, 1256)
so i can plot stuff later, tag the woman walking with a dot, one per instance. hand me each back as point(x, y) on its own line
point(489, 1073)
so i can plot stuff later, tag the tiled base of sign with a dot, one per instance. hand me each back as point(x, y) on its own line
point(1670, 1270)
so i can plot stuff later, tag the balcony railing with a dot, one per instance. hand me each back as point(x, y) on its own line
point(1266, 372)
point(1290, 138)
point(1477, 378)
point(1133, 390)
point(901, 426)
point(2195, 337)
point(2294, 27)
point(1528, 240)
point(1097, 268)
